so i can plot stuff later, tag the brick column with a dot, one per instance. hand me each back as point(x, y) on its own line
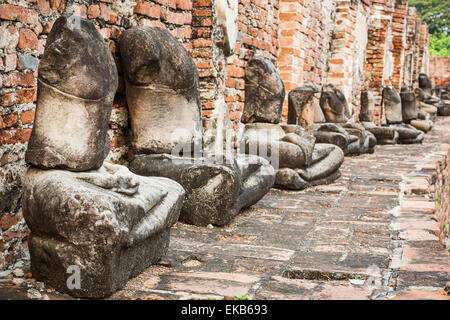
point(305, 33)
point(342, 46)
point(410, 44)
point(378, 52)
point(399, 27)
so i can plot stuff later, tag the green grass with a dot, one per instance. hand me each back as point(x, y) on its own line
point(241, 298)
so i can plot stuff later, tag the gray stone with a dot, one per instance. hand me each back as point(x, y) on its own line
point(409, 108)
point(422, 125)
point(351, 138)
point(18, 281)
point(216, 190)
point(28, 62)
point(264, 92)
point(301, 108)
point(407, 134)
point(71, 123)
point(33, 294)
point(367, 106)
point(392, 105)
point(334, 134)
point(426, 91)
point(430, 109)
point(367, 140)
point(334, 104)
point(301, 162)
point(161, 82)
point(383, 134)
point(108, 222)
point(425, 84)
point(18, 273)
point(444, 108)
point(163, 98)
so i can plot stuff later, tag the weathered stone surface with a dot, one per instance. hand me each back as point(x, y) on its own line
point(108, 222)
point(367, 106)
point(334, 104)
point(425, 84)
point(384, 135)
point(409, 108)
point(444, 108)
point(318, 113)
point(407, 134)
point(216, 189)
point(334, 133)
point(367, 140)
point(163, 97)
point(350, 137)
point(422, 125)
point(264, 92)
point(294, 245)
point(392, 105)
point(301, 108)
point(161, 81)
point(301, 162)
point(70, 127)
point(430, 109)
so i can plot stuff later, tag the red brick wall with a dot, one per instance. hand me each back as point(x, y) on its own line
point(310, 41)
point(399, 25)
point(24, 29)
point(306, 29)
point(440, 71)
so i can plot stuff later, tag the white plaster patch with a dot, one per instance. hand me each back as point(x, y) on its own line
point(227, 13)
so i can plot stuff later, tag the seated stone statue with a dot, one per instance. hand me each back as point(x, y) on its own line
point(426, 86)
point(384, 134)
point(392, 103)
point(163, 100)
point(86, 215)
point(351, 137)
point(410, 112)
point(299, 161)
point(425, 110)
point(428, 97)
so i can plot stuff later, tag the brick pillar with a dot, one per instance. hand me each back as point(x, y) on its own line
point(378, 52)
point(291, 59)
point(399, 32)
point(410, 44)
point(423, 43)
point(342, 44)
point(305, 33)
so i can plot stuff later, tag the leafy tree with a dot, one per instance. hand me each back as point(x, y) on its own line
point(440, 45)
point(436, 13)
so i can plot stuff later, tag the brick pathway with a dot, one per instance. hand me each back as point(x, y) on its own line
point(371, 235)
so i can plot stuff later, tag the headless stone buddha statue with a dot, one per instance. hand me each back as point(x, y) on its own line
point(392, 103)
point(411, 114)
point(427, 95)
point(425, 110)
point(300, 162)
point(383, 134)
point(350, 136)
point(163, 100)
point(88, 217)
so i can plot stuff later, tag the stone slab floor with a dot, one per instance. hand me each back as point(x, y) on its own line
point(370, 235)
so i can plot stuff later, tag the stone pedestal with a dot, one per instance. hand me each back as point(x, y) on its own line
point(107, 223)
